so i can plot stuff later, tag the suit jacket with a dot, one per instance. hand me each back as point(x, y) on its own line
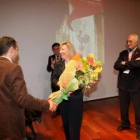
point(131, 81)
point(58, 69)
point(49, 68)
point(13, 99)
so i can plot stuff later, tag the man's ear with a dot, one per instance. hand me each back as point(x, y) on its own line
point(11, 49)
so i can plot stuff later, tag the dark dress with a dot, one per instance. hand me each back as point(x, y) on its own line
point(72, 109)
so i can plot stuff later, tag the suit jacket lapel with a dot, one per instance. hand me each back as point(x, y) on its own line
point(53, 56)
point(62, 65)
point(135, 54)
point(125, 56)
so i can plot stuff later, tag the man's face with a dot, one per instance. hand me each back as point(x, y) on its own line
point(131, 42)
point(56, 50)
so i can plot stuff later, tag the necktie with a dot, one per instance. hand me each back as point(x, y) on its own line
point(57, 57)
point(130, 55)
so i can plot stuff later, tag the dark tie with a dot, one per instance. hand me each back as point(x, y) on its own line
point(57, 57)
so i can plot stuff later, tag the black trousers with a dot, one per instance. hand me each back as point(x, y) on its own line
point(125, 98)
point(72, 112)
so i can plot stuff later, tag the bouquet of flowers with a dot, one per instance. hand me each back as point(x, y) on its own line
point(80, 72)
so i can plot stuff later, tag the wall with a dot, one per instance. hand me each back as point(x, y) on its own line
point(34, 23)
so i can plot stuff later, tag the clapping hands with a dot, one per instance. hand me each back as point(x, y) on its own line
point(53, 61)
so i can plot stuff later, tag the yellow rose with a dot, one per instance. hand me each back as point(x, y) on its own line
point(91, 55)
point(85, 58)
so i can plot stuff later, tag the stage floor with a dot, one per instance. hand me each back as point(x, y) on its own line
point(100, 121)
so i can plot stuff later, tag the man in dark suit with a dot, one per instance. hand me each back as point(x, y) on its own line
point(13, 94)
point(53, 58)
point(51, 62)
point(128, 65)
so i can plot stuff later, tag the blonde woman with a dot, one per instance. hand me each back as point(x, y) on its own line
point(71, 109)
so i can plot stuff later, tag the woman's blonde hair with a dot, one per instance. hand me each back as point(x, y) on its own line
point(70, 48)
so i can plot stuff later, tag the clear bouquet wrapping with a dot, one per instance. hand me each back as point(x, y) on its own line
point(79, 73)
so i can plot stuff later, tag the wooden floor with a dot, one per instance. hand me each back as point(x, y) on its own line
point(100, 120)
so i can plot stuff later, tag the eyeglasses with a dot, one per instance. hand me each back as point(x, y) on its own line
point(130, 41)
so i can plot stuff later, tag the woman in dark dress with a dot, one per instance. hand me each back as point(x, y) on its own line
point(71, 109)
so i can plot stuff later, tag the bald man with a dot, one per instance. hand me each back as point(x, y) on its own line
point(128, 65)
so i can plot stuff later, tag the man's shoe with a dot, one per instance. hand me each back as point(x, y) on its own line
point(121, 128)
point(138, 134)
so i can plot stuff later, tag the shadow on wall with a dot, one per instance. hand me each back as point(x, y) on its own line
point(115, 72)
point(44, 80)
point(93, 90)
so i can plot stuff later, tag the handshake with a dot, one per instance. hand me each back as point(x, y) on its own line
point(53, 105)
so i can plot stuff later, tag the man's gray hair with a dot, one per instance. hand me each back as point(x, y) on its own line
point(136, 37)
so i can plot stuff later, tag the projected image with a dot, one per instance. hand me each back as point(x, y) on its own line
point(84, 27)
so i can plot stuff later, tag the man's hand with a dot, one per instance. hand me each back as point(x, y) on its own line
point(123, 62)
point(138, 58)
point(53, 106)
point(53, 61)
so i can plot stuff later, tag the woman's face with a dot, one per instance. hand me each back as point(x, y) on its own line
point(64, 52)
